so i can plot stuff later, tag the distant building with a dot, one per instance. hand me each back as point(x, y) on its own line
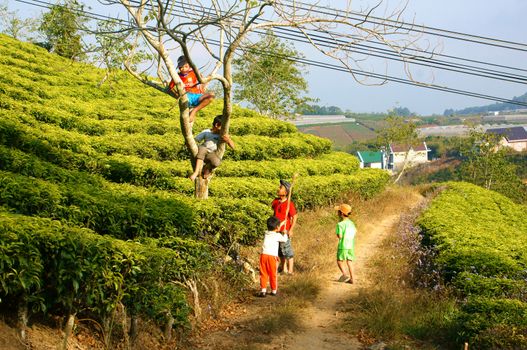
point(375, 160)
point(514, 137)
point(417, 154)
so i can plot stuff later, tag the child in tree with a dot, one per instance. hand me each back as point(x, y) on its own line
point(269, 256)
point(346, 231)
point(197, 97)
point(210, 139)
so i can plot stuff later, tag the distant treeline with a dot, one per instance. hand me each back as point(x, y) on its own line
point(334, 110)
point(495, 107)
point(320, 110)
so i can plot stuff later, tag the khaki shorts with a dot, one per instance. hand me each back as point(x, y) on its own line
point(208, 157)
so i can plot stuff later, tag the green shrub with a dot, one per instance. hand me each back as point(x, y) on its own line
point(501, 287)
point(58, 268)
point(480, 239)
point(479, 315)
point(327, 164)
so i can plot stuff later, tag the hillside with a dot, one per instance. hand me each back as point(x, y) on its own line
point(494, 107)
point(477, 240)
point(341, 134)
point(97, 212)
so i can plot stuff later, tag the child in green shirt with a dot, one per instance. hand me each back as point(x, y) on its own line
point(345, 231)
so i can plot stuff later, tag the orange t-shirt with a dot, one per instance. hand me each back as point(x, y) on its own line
point(190, 81)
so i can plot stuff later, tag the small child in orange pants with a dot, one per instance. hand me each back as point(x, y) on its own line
point(269, 256)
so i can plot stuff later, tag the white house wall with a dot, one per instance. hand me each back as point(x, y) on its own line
point(414, 158)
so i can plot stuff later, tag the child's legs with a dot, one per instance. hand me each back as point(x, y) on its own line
point(290, 265)
point(289, 254)
point(340, 264)
point(272, 273)
point(264, 272)
point(350, 268)
point(202, 153)
point(281, 265)
point(212, 160)
point(203, 101)
point(344, 258)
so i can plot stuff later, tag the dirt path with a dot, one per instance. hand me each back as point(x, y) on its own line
point(321, 329)
point(320, 320)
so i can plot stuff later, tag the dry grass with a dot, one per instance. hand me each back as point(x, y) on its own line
point(315, 244)
point(389, 308)
point(283, 318)
point(303, 289)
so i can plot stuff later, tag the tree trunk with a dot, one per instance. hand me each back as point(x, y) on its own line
point(107, 330)
point(192, 285)
point(168, 328)
point(22, 318)
point(133, 330)
point(202, 188)
point(124, 324)
point(67, 331)
point(405, 163)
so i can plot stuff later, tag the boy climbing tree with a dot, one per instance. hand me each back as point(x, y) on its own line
point(210, 138)
point(223, 33)
point(195, 91)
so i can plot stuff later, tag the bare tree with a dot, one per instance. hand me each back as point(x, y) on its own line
point(221, 28)
point(401, 132)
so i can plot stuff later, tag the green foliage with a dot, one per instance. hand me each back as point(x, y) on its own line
point(58, 267)
point(485, 164)
point(100, 207)
point(61, 26)
point(398, 131)
point(14, 26)
point(480, 240)
point(113, 46)
point(314, 109)
point(129, 212)
point(494, 323)
point(324, 190)
point(327, 164)
point(268, 79)
point(401, 111)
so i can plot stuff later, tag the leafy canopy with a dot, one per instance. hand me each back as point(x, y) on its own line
point(399, 131)
point(268, 79)
point(15, 26)
point(485, 164)
point(61, 28)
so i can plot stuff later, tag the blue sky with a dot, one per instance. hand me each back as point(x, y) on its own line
point(503, 19)
point(498, 19)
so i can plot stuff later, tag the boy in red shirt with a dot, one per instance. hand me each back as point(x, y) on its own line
point(197, 97)
point(279, 206)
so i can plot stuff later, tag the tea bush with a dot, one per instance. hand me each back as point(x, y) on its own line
point(480, 237)
point(54, 267)
point(96, 205)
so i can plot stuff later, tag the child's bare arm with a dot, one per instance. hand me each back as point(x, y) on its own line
point(293, 223)
point(227, 139)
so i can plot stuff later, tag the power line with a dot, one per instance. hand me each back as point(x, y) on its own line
point(323, 65)
point(297, 36)
point(388, 78)
point(422, 61)
point(410, 26)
